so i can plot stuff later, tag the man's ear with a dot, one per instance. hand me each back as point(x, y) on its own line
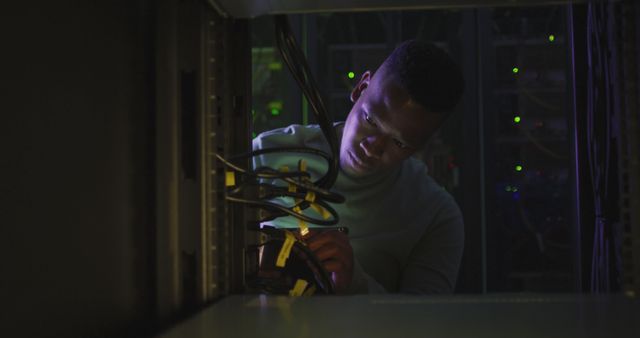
point(360, 86)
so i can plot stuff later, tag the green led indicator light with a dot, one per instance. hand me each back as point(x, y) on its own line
point(518, 168)
point(552, 38)
point(514, 189)
point(275, 107)
point(516, 119)
point(515, 70)
point(351, 75)
point(275, 66)
point(508, 188)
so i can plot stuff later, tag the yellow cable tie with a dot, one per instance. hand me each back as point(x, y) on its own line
point(304, 228)
point(292, 187)
point(285, 251)
point(317, 208)
point(325, 213)
point(230, 179)
point(310, 196)
point(302, 166)
point(321, 210)
point(298, 288)
point(310, 291)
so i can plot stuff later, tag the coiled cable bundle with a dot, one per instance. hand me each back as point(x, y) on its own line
point(285, 263)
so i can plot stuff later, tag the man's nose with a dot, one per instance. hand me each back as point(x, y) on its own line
point(373, 146)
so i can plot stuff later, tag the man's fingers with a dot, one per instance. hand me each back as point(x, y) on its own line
point(324, 237)
point(333, 258)
point(327, 252)
point(333, 265)
point(334, 252)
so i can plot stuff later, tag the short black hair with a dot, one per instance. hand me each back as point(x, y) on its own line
point(428, 74)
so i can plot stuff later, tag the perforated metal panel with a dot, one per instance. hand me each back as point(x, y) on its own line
point(213, 208)
point(225, 131)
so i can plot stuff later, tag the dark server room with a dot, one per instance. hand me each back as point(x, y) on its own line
point(355, 168)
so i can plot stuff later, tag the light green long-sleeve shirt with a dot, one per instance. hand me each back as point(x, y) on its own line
point(406, 231)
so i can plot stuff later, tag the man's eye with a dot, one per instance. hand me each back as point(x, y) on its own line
point(400, 144)
point(368, 119)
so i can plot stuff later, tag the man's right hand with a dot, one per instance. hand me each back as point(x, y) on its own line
point(333, 250)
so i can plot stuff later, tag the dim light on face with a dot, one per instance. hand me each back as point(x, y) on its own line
point(384, 127)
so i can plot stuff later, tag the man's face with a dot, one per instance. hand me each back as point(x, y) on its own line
point(384, 127)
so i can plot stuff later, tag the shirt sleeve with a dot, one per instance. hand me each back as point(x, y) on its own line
point(362, 283)
point(433, 264)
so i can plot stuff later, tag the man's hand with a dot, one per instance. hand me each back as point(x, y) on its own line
point(334, 251)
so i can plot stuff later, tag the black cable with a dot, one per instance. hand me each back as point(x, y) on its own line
point(303, 187)
point(297, 63)
point(289, 211)
point(263, 173)
point(300, 188)
point(319, 271)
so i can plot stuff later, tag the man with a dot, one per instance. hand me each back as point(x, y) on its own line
point(406, 232)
